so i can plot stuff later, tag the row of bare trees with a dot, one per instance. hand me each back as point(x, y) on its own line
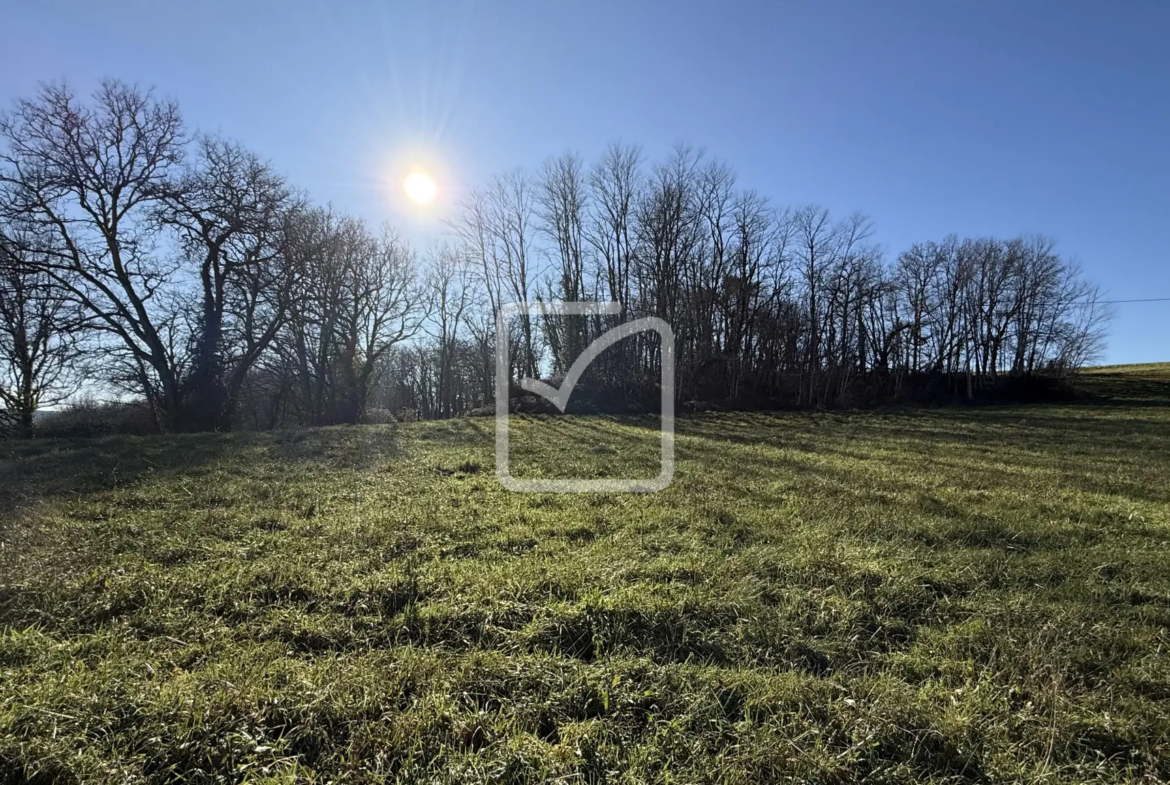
point(769, 306)
point(179, 269)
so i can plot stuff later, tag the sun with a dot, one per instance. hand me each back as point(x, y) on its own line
point(420, 187)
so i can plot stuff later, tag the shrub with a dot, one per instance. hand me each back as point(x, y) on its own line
point(88, 417)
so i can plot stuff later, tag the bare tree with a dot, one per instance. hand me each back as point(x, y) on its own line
point(513, 213)
point(450, 296)
point(615, 185)
point(670, 234)
point(359, 299)
point(230, 212)
point(498, 229)
point(816, 241)
point(562, 204)
point(89, 178)
point(476, 230)
point(384, 306)
point(40, 339)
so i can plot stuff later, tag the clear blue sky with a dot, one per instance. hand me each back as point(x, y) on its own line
point(980, 118)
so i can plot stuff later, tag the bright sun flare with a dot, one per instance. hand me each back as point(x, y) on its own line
point(419, 187)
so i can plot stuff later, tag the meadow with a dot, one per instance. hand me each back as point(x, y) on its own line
point(971, 594)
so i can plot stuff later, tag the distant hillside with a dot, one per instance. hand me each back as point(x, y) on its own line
point(1151, 370)
point(1146, 384)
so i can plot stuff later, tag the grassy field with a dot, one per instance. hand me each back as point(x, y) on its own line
point(958, 595)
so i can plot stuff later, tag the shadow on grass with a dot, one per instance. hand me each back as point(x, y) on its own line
point(341, 445)
point(45, 468)
point(48, 468)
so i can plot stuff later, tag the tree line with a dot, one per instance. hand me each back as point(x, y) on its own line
point(181, 271)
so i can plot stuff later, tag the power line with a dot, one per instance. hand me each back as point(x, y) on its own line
point(1116, 302)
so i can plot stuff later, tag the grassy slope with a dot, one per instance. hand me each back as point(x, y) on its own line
point(947, 595)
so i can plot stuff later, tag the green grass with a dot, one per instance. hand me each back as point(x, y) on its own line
point(1158, 370)
point(925, 596)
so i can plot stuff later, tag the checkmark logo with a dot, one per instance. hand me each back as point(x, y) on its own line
point(559, 396)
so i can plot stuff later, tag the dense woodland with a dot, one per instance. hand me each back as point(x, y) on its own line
point(180, 274)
